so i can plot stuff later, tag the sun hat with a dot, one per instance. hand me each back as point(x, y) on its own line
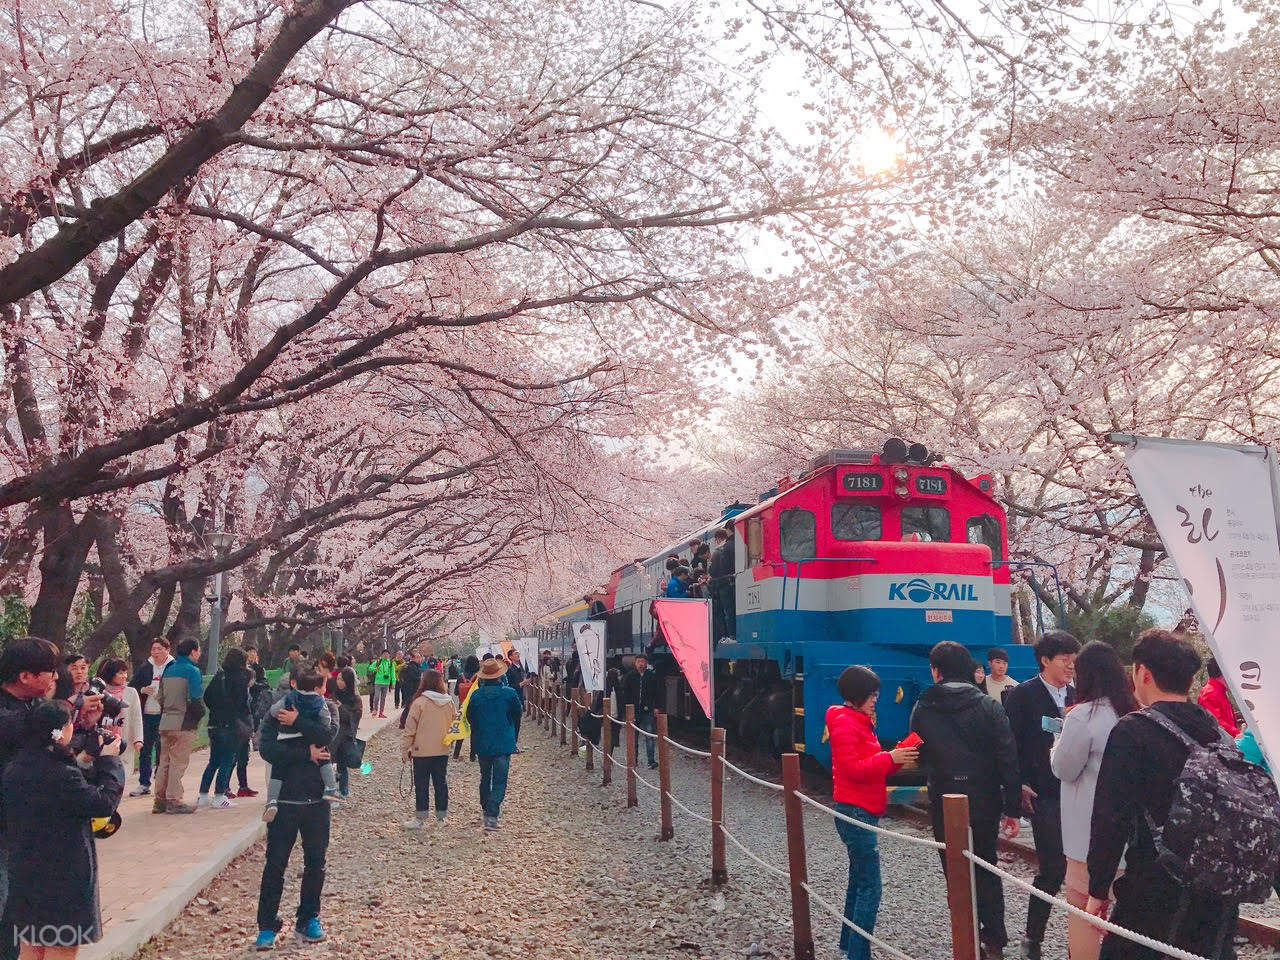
point(492, 669)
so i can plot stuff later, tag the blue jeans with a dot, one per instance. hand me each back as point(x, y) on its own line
point(223, 750)
point(862, 897)
point(644, 721)
point(493, 782)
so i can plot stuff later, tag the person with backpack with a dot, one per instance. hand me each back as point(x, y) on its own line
point(230, 726)
point(1167, 775)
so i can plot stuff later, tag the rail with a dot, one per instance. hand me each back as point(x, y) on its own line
point(800, 569)
point(956, 848)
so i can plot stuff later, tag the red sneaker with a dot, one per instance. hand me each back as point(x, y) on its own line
point(246, 792)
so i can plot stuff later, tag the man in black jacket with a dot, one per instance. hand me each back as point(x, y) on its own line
point(28, 668)
point(639, 688)
point(1141, 762)
point(1035, 710)
point(723, 612)
point(303, 811)
point(968, 748)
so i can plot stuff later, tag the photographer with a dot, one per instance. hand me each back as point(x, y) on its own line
point(85, 702)
point(28, 668)
point(50, 798)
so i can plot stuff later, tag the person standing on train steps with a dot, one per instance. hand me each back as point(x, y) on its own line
point(968, 748)
point(721, 585)
point(1035, 710)
point(859, 769)
point(678, 585)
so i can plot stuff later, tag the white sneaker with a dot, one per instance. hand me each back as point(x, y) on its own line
point(204, 800)
point(220, 803)
point(413, 824)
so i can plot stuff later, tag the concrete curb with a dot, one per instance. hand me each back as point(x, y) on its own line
point(125, 938)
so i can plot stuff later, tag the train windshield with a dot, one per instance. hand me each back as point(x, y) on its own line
point(856, 521)
point(930, 524)
point(985, 528)
point(798, 530)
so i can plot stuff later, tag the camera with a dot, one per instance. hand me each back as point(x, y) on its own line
point(90, 741)
point(112, 706)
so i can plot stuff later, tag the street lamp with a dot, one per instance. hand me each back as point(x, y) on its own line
point(221, 541)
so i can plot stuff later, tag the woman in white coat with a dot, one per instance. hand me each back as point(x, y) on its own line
point(1103, 696)
point(128, 723)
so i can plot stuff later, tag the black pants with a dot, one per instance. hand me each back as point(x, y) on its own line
point(399, 693)
point(1046, 827)
point(150, 748)
point(518, 719)
point(988, 891)
point(1156, 906)
point(429, 772)
point(311, 822)
point(242, 765)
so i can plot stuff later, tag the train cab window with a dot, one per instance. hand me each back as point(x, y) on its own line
point(856, 521)
point(798, 530)
point(930, 524)
point(985, 528)
point(755, 541)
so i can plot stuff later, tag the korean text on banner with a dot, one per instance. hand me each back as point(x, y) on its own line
point(527, 647)
point(687, 629)
point(1215, 510)
point(590, 638)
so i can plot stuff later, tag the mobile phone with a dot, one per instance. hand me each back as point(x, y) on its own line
point(1051, 724)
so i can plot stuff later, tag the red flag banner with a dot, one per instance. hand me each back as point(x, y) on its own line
point(687, 628)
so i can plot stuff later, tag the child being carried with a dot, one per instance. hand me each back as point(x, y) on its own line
point(306, 696)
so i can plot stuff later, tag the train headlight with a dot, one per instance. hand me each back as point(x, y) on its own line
point(900, 474)
point(902, 491)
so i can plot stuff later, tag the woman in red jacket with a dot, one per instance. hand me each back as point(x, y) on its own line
point(859, 768)
point(1214, 699)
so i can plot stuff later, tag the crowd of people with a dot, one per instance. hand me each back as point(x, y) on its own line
point(1087, 754)
point(1095, 756)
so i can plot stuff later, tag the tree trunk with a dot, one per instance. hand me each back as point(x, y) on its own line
point(66, 547)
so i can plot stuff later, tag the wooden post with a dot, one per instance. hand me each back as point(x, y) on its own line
point(591, 750)
point(632, 800)
point(575, 697)
point(960, 902)
point(719, 872)
point(801, 926)
point(664, 774)
point(564, 732)
point(606, 743)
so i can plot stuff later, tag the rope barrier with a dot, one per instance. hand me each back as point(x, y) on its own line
point(869, 937)
point(693, 813)
point(751, 856)
point(1134, 937)
point(746, 776)
point(681, 746)
point(646, 733)
point(906, 837)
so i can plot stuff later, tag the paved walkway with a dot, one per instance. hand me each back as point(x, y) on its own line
point(155, 865)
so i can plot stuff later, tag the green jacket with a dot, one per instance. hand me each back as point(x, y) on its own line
point(383, 670)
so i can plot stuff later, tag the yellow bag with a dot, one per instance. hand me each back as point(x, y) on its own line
point(460, 729)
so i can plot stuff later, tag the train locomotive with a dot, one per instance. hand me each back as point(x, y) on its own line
point(865, 557)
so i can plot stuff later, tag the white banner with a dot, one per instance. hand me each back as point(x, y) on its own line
point(527, 647)
point(493, 648)
point(589, 635)
point(1215, 510)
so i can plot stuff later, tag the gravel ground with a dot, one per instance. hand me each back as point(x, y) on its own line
point(572, 874)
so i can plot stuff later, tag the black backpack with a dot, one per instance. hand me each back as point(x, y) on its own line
point(1222, 837)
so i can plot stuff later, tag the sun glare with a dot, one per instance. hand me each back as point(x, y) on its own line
point(879, 150)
